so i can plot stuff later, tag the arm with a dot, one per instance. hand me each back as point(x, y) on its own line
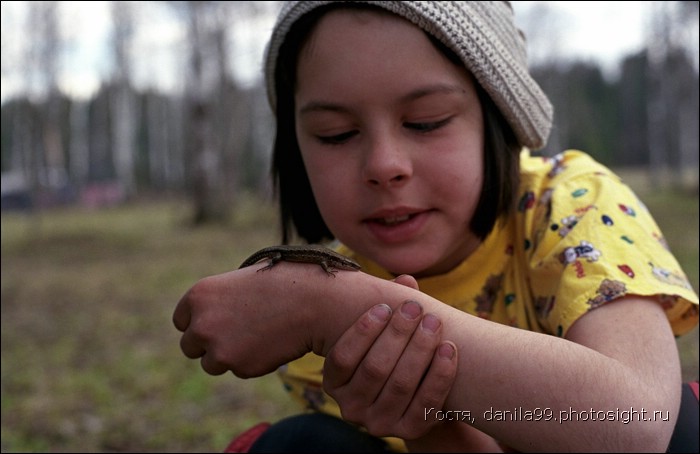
point(621, 356)
point(607, 363)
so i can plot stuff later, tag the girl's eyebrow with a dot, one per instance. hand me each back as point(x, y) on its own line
point(431, 90)
point(316, 106)
point(319, 106)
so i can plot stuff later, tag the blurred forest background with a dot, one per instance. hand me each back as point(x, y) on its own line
point(114, 204)
point(210, 139)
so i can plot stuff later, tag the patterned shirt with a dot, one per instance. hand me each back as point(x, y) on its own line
point(580, 238)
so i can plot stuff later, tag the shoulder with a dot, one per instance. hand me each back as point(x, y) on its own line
point(567, 164)
point(571, 177)
point(590, 240)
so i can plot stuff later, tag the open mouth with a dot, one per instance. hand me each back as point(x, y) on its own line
point(393, 220)
point(398, 224)
point(398, 227)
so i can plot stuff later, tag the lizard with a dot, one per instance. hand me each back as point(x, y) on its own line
point(326, 258)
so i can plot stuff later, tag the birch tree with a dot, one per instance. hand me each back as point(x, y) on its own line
point(217, 116)
point(47, 163)
point(122, 102)
point(672, 93)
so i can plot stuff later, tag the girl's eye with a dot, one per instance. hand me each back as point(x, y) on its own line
point(337, 139)
point(427, 127)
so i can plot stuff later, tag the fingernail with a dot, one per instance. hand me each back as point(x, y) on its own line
point(430, 323)
point(411, 310)
point(446, 351)
point(380, 313)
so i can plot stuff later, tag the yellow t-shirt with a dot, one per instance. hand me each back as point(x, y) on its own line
point(579, 238)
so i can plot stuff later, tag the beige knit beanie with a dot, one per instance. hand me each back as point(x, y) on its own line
point(481, 33)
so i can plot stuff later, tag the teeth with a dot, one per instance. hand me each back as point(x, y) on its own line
point(395, 219)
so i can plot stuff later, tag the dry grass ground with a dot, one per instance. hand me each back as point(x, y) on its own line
point(90, 359)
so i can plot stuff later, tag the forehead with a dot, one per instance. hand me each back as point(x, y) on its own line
point(357, 26)
point(356, 47)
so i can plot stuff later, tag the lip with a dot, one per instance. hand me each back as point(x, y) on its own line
point(396, 225)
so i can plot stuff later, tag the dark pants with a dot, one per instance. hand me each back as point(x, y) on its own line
point(685, 435)
point(316, 432)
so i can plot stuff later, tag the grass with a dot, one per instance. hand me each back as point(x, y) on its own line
point(90, 359)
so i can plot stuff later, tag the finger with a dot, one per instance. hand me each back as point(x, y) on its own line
point(351, 347)
point(407, 280)
point(191, 345)
point(378, 364)
point(433, 390)
point(182, 314)
point(402, 385)
point(212, 366)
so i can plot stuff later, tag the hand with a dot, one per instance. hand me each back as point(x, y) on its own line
point(228, 320)
point(389, 367)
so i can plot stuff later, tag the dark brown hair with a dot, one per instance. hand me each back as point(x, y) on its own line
point(298, 209)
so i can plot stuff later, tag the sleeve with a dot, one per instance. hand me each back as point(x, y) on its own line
point(594, 242)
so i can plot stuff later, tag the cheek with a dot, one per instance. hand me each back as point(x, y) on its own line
point(322, 172)
point(332, 187)
point(460, 190)
point(335, 205)
point(459, 172)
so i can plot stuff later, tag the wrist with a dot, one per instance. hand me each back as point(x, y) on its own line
point(341, 301)
point(334, 306)
point(316, 306)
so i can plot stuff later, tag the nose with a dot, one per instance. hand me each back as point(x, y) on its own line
point(387, 163)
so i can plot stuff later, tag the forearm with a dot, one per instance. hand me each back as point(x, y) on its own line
point(516, 371)
point(511, 374)
point(521, 386)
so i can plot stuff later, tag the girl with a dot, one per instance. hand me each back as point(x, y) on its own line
point(403, 132)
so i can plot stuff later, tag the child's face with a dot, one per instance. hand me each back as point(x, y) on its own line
point(391, 133)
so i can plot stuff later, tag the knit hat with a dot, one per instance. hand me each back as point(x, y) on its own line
point(481, 33)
